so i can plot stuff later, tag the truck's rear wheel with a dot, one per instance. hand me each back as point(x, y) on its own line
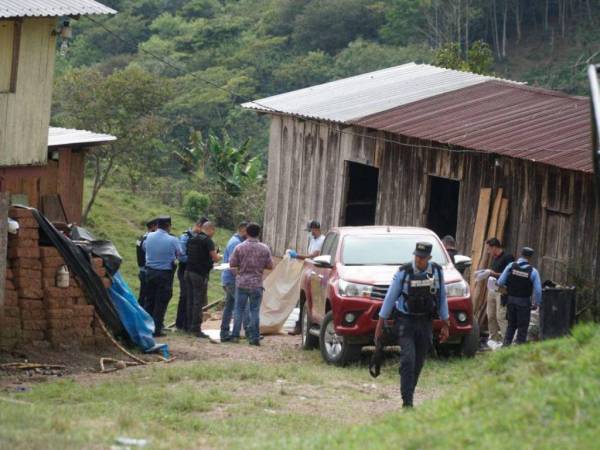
point(309, 341)
point(336, 349)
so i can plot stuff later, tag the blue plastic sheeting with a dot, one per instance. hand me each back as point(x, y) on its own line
point(137, 322)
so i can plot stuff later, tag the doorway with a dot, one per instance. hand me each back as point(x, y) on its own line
point(443, 206)
point(361, 194)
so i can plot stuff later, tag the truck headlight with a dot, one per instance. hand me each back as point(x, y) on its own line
point(458, 289)
point(347, 289)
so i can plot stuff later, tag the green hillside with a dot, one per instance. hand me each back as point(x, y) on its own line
point(542, 396)
point(120, 217)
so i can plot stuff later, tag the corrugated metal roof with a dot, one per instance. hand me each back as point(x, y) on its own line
point(503, 118)
point(354, 97)
point(63, 137)
point(50, 8)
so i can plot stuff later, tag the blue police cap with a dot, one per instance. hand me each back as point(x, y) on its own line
point(527, 252)
point(423, 249)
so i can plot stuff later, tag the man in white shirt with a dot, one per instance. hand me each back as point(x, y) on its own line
point(315, 241)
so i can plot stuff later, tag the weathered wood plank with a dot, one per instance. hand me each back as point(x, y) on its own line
point(481, 222)
point(4, 198)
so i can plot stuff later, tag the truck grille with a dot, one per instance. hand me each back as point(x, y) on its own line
point(379, 292)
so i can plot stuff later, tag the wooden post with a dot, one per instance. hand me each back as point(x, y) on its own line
point(3, 242)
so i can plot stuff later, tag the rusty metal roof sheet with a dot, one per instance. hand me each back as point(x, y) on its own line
point(354, 97)
point(51, 8)
point(502, 118)
point(64, 137)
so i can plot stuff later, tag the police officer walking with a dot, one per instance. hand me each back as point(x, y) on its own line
point(141, 260)
point(522, 282)
point(162, 249)
point(417, 295)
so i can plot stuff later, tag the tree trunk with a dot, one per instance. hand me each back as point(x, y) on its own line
point(467, 30)
point(546, 14)
point(518, 20)
point(505, 18)
point(495, 28)
point(589, 11)
point(100, 177)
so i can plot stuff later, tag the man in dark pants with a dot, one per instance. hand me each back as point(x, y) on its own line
point(201, 255)
point(181, 320)
point(162, 249)
point(141, 260)
point(522, 282)
point(417, 295)
point(228, 282)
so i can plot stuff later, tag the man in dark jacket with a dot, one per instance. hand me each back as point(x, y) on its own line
point(151, 226)
point(201, 256)
point(181, 320)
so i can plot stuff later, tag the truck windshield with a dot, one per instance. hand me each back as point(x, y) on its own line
point(382, 250)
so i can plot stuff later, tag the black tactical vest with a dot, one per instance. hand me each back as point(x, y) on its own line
point(422, 296)
point(139, 250)
point(519, 282)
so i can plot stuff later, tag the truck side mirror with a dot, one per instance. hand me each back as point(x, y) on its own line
point(323, 261)
point(462, 263)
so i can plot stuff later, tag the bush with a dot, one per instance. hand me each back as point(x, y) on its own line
point(195, 204)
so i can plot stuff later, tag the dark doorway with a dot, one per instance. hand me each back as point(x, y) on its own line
point(443, 206)
point(361, 194)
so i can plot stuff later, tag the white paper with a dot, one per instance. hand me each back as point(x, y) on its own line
point(482, 274)
point(491, 284)
point(221, 267)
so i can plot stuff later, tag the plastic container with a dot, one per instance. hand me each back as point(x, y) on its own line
point(557, 313)
point(62, 277)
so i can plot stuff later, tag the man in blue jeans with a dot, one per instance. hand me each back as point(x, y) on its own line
point(228, 282)
point(249, 260)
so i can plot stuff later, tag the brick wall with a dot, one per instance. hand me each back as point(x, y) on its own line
point(36, 312)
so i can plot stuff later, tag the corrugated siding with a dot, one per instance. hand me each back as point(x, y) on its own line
point(507, 119)
point(25, 114)
point(58, 137)
point(354, 97)
point(47, 8)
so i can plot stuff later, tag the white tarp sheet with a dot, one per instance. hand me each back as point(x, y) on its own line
point(282, 291)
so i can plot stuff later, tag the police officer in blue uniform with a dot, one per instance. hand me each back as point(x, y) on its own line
point(141, 260)
point(523, 285)
point(162, 250)
point(416, 296)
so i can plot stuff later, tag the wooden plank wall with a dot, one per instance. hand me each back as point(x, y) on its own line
point(550, 209)
point(25, 114)
point(64, 177)
point(3, 242)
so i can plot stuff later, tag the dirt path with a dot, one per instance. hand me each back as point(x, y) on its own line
point(349, 394)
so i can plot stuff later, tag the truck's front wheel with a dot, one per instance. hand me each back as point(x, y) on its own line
point(335, 349)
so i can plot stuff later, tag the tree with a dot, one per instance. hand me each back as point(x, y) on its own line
point(480, 58)
point(329, 25)
point(126, 104)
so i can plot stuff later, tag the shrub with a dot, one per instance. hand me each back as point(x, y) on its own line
point(195, 204)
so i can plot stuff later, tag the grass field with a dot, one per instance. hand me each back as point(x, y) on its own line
point(542, 396)
point(120, 217)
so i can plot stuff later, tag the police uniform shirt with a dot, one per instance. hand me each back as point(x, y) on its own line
point(162, 249)
point(394, 299)
point(535, 279)
point(183, 240)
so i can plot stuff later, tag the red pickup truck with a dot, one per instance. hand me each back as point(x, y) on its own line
point(343, 290)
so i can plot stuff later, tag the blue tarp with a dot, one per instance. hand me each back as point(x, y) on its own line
point(137, 322)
